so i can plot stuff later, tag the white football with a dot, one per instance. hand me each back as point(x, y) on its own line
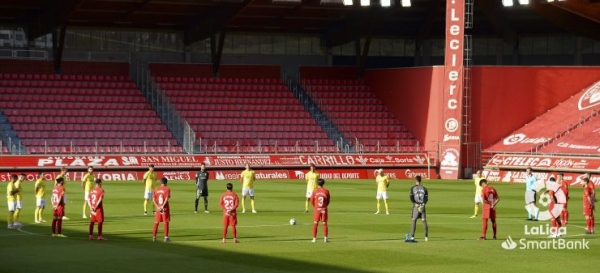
point(293, 221)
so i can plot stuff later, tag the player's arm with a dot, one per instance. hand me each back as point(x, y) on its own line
point(426, 196)
point(242, 177)
point(313, 199)
point(496, 201)
point(36, 188)
point(236, 202)
point(97, 203)
point(145, 177)
point(83, 181)
point(411, 195)
point(387, 182)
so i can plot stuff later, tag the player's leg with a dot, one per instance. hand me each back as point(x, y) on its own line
point(166, 230)
point(484, 228)
point(476, 209)
point(385, 202)
point(225, 227)
point(252, 200)
point(54, 223)
point(244, 193)
point(154, 231)
point(233, 223)
point(324, 219)
point(314, 230)
point(59, 223)
point(425, 226)
point(18, 208)
point(197, 200)
point(85, 204)
point(11, 212)
point(145, 206)
point(36, 212)
point(494, 226)
point(378, 197)
point(91, 231)
point(306, 204)
point(564, 216)
point(100, 237)
point(206, 204)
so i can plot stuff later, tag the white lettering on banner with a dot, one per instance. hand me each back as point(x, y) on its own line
point(521, 138)
point(448, 137)
point(78, 162)
point(590, 98)
point(327, 160)
point(411, 174)
point(177, 175)
point(274, 175)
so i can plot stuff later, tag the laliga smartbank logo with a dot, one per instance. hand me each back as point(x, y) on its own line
point(552, 239)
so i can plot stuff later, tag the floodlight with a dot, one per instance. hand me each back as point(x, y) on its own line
point(405, 3)
point(365, 3)
point(507, 3)
point(386, 3)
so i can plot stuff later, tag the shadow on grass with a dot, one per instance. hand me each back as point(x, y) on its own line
point(37, 251)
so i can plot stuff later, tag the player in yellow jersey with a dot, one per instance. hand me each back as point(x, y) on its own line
point(40, 198)
point(87, 183)
point(19, 199)
point(311, 184)
point(478, 177)
point(63, 175)
point(383, 182)
point(11, 200)
point(149, 181)
point(247, 178)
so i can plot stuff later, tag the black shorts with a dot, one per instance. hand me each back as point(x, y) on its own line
point(201, 193)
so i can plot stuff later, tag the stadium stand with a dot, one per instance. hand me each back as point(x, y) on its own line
point(360, 115)
point(63, 114)
point(234, 115)
point(551, 125)
point(584, 138)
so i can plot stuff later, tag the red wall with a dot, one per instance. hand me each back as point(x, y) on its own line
point(506, 98)
point(26, 66)
point(205, 71)
point(414, 96)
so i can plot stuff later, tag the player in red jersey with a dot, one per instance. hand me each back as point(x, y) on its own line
point(229, 204)
point(161, 202)
point(320, 200)
point(490, 200)
point(95, 198)
point(58, 205)
point(564, 185)
point(589, 204)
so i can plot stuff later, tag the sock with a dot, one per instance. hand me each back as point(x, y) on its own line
point(54, 222)
point(325, 229)
point(196, 205)
point(35, 214)
point(91, 228)
point(16, 215)
point(252, 203)
point(536, 212)
point(378, 205)
point(145, 205)
point(100, 229)
point(528, 211)
point(243, 203)
point(564, 216)
point(154, 230)
point(306, 205)
point(315, 226)
point(167, 229)
point(10, 217)
point(494, 226)
point(592, 223)
point(205, 203)
point(41, 212)
point(426, 227)
point(386, 205)
point(413, 227)
point(84, 205)
point(234, 231)
point(225, 232)
point(476, 209)
point(484, 228)
point(59, 225)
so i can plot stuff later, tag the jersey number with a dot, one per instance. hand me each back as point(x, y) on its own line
point(55, 199)
point(228, 204)
point(320, 200)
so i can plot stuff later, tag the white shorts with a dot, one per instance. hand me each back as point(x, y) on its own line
point(11, 205)
point(478, 199)
point(40, 202)
point(382, 194)
point(148, 195)
point(86, 196)
point(248, 191)
point(308, 194)
point(530, 197)
point(19, 204)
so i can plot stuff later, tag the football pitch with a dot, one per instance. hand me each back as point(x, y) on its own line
point(360, 240)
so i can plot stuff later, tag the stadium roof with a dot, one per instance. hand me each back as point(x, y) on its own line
point(330, 19)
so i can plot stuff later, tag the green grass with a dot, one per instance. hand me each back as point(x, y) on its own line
point(360, 240)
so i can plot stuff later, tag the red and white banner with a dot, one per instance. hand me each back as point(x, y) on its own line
point(541, 162)
point(9, 162)
point(453, 89)
point(327, 174)
point(512, 176)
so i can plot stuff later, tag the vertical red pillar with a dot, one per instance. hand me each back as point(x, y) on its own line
point(450, 162)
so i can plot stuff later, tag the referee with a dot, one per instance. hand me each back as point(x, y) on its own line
point(531, 195)
point(202, 187)
point(419, 197)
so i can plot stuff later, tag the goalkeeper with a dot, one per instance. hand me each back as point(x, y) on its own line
point(419, 197)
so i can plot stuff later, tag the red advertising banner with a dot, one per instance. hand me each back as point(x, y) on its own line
point(328, 174)
point(8, 162)
point(453, 89)
point(512, 176)
point(541, 162)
